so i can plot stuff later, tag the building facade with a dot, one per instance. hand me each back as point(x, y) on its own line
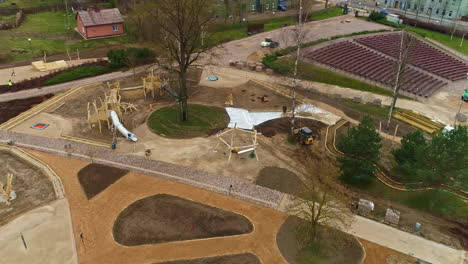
point(95, 23)
point(432, 9)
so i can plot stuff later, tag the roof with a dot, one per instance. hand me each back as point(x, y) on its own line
point(101, 17)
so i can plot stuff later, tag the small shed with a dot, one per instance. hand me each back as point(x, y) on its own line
point(96, 23)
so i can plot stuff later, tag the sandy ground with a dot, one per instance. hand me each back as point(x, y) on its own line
point(58, 125)
point(95, 220)
point(47, 234)
point(28, 72)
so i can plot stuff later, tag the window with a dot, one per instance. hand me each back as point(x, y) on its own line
point(450, 13)
point(437, 11)
point(115, 28)
point(443, 12)
point(415, 6)
point(253, 8)
point(267, 6)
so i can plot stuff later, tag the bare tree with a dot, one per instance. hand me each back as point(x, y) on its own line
point(401, 65)
point(299, 38)
point(320, 204)
point(181, 25)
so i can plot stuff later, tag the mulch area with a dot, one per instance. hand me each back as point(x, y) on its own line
point(95, 178)
point(13, 108)
point(279, 179)
point(377, 254)
point(229, 259)
point(166, 218)
point(343, 249)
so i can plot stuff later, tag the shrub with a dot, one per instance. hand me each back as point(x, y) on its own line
point(270, 62)
point(116, 58)
point(129, 57)
point(78, 73)
point(375, 16)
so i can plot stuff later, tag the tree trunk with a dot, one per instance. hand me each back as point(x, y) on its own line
point(326, 3)
point(183, 96)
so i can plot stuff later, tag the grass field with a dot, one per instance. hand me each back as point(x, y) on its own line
point(203, 120)
point(48, 33)
point(437, 202)
point(317, 74)
point(326, 13)
point(442, 38)
point(28, 3)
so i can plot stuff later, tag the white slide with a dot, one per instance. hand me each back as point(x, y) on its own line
point(115, 120)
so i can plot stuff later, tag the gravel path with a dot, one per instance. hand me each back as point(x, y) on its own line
point(217, 183)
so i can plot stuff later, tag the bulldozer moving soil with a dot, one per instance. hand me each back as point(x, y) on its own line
point(305, 135)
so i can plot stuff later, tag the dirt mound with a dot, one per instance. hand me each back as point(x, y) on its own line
point(279, 179)
point(283, 125)
point(229, 259)
point(165, 218)
point(95, 178)
point(13, 108)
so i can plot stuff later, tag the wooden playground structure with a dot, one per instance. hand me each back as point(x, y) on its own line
point(239, 149)
point(7, 191)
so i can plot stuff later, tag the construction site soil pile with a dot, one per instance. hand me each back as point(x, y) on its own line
point(279, 179)
point(13, 108)
point(283, 125)
point(165, 218)
point(229, 259)
point(32, 187)
point(334, 248)
point(95, 178)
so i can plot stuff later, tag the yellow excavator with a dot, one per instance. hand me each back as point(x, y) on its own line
point(305, 135)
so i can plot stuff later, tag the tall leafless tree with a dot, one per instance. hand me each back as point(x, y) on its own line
point(401, 65)
point(181, 25)
point(299, 39)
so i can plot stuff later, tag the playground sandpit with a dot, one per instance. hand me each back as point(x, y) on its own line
point(202, 121)
point(13, 108)
point(279, 179)
point(164, 218)
point(95, 178)
point(246, 258)
point(31, 186)
point(283, 125)
point(343, 248)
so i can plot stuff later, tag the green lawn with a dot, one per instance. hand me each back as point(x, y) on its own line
point(326, 13)
point(203, 120)
point(28, 3)
point(437, 202)
point(78, 73)
point(47, 32)
point(442, 38)
point(46, 22)
point(317, 74)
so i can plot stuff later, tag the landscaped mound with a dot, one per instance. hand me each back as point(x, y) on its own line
point(330, 248)
point(228, 259)
point(164, 218)
point(279, 179)
point(95, 178)
point(203, 121)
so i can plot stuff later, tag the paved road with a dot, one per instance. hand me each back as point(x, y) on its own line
point(362, 227)
point(242, 48)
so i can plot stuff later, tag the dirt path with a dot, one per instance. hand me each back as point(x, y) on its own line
point(95, 220)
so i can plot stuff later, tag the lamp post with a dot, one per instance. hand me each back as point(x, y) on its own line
point(30, 47)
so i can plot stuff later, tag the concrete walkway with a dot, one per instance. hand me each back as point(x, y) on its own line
point(48, 235)
point(373, 231)
point(68, 85)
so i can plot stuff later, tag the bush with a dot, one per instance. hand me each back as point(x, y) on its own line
point(375, 16)
point(269, 61)
point(129, 57)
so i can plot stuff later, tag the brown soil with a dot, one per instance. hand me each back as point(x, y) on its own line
point(13, 108)
point(340, 104)
point(229, 259)
point(95, 178)
point(166, 218)
point(377, 254)
point(279, 179)
point(342, 249)
point(283, 125)
point(32, 187)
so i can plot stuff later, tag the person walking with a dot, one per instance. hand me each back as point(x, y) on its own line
point(10, 83)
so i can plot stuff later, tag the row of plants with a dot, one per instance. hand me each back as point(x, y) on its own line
point(117, 60)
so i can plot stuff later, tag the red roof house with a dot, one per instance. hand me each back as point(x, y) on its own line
point(96, 23)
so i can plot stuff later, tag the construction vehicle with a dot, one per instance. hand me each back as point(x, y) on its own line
point(465, 96)
point(269, 43)
point(305, 135)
